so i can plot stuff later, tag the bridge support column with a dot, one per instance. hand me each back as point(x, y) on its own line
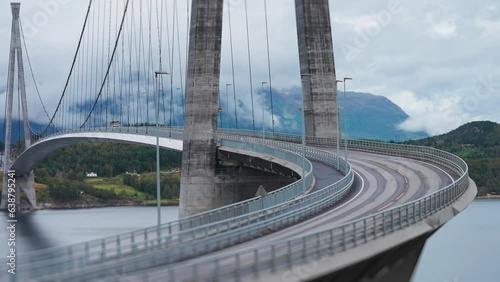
point(27, 184)
point(199, 191)
point(15, 52)
point(317, 67)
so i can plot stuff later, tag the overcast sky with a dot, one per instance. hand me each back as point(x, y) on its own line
point(438, 60)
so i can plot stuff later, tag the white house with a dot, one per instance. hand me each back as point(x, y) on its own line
point(91, 174)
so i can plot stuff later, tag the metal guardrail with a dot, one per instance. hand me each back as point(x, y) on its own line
point(274, 197)
point(200, 241)
point(256, 261)
point(409, 151)
point(145, 238)
point(287, 254)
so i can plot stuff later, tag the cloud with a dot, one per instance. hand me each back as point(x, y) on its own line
point(445, 29)
point(433, 115)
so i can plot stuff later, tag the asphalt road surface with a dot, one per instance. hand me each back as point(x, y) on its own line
point(381, 182)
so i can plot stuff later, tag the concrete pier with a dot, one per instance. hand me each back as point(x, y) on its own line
point(199, 191)
point(317, 67)
point(16, 52)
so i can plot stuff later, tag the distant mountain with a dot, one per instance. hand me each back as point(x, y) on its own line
point(481, 134)
point(368, 116)
point(375, 117)
point(478, 143)
point(18, 129)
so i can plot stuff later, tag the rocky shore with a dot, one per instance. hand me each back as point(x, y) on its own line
point(89, 202)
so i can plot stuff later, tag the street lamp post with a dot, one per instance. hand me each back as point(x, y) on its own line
point(345, 123)
point(338, 125)
point(235, 112)
point(227, 105)
point(157, 109)
point(263, 109)
point(147, 111)
point(220, 111)
point(182, 105)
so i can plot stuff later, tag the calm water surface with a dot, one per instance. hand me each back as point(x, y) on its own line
point(465, 249)
point(48, 228)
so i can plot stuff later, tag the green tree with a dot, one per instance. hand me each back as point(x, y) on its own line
point(63, 190)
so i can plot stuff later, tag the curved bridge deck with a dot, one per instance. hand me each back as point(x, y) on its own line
point(383, 186)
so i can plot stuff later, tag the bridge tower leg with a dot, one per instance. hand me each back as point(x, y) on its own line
point(199, 192)
point(25, 182)
point(317, 67)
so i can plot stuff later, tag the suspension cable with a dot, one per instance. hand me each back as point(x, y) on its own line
point(109, 65)
point(72, 66)
point(32, 73)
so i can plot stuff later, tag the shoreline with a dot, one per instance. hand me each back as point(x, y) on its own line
point(96, 203)
point(489, 197)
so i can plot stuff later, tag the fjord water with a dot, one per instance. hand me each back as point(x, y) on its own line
point(465, 249)
point(50, 228)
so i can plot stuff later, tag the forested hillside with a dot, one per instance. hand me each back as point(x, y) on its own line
point(478, 143)
point(64, 173)
point(105, 159)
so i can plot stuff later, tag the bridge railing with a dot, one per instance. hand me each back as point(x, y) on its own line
point(121, 245)
point(205, 238)
point(287, 254)
point(109, 245)
point(409, 151)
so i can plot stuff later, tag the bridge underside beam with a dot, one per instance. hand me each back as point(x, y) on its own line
point(388, 258)
point(248, 173)
point(199, 192)
point(394, 265)
point(317, 67)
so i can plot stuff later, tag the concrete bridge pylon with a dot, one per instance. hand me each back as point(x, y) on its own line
point(24, 182)
point(317, 67)
point(199, 191)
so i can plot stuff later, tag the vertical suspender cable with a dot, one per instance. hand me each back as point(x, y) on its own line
point(269, 64)
point(110, 62)
point(87, 67)
point(102, 116)
point(129, 81)
point(122, 78)
point(180, 67)
point(159, 22)
point(109, 51)
point(150, 54)
point(171, 121)
point(232, 64)
point(96, 115)
point(92, 65)
point(31, 71)
point(72, 66)
point(140, 43)
point(115, 74)
point(249, 65)
point(188, 16)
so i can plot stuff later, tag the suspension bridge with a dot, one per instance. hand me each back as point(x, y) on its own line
point(150, 72)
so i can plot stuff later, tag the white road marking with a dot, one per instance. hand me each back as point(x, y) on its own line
point(361, 190)
point(452, 180)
